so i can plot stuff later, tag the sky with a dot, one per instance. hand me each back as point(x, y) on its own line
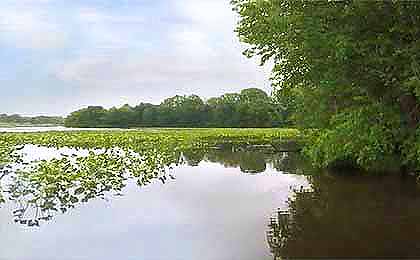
point(57, 56)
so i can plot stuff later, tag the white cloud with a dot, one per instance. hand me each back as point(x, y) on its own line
point(215, 14)
point(201, 56)
point(104, 31)
point(26, 26)
point(137, 53)
point(93, 16)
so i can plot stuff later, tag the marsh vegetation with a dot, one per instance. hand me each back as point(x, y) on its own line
point(223, 178)
point(340, 179)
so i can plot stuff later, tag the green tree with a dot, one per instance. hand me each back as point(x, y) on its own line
point(138, 114)
point(37, 120)
point(151, 115)
point(92, 116)
point(255, 108)
point(120, 117)
point(183, 111)
point(251, 108)
point(224, 110)
point(348, 68)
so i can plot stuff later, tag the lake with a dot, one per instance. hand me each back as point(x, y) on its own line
point(222, 204)
point(32, 129)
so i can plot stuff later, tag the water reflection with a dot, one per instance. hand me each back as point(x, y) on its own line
point(255, 160)
point(349, 216)
point(247, 161)
point(207, 204)
point(332, 214)
point(44, 181)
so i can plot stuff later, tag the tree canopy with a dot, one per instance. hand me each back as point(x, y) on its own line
point(25, 120)
point(250, 108)
point(348, 69)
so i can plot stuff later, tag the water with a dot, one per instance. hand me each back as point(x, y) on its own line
point(32, 129)
point(352, 216)
point(208, 212)
point(225, 205)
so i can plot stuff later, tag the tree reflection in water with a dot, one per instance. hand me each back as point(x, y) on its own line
point(41, 189)
point(247, 160)
point(349, 216)
point(256, 160)
point(341, 215)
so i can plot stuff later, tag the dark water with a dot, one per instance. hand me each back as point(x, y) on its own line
point(350, 216)
point(227, 205)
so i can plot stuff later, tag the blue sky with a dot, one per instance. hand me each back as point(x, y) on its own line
point(59, 55)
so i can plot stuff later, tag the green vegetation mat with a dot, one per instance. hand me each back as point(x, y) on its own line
point(96, 163)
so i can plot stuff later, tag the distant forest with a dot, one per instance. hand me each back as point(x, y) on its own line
point(37, 120)
point(250, 108)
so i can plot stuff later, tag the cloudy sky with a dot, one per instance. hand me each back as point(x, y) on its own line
point(60, 55)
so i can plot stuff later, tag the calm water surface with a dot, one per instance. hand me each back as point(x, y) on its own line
point(31, 129)
point(225, 205)
point(209, 212)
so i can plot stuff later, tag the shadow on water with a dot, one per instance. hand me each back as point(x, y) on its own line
point(349, 216)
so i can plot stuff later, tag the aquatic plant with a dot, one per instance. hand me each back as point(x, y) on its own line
point(100, 163)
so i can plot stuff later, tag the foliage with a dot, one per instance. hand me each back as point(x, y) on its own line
point(37, 120)
point(348, 68)
point(92, 116)
point(250, 108)
point(104, 162)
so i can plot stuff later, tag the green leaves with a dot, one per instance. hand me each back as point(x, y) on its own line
point(364, 137)
point(250, 108)
point(105, 163)
point(347, 68)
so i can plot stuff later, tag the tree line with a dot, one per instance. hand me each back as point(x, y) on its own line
point(250, 108)
point(24, 120)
